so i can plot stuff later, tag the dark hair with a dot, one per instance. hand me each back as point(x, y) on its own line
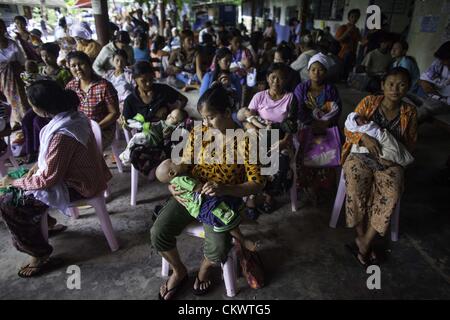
point(36, 32)
point(144, 40)
point(121, 53)
point(224, 38)
point(280, 67)
point(186, 34)
point(80, 55)
point(122, 36)
point(51, 47)
point(158, 44)
point(354, 11)
point(217, 99)
point(399, 71)
point(2, 22)
point(285, 51)
point(140, 68)
point(208, 24)
point(62, 22)
point(207, 38)
point(183, 113)
point(21, 19)
point(403, 44)
point(221, 53)
point(443, 53)
point(47, 95)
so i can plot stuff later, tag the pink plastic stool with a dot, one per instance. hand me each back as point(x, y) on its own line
point(98, 203)
point(229, 268)
point(339, 202)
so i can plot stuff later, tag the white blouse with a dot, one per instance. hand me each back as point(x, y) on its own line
point(12, 53)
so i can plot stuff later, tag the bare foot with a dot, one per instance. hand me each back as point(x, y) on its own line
point(363, 249)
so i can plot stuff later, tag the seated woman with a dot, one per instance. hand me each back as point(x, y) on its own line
point(316, 96)
point(70, 168)
point(301, 63)
point(435, 82)
point(23, 39)
point(98, 98)
point(157, 55)
point(242, 62)
point(152, 100)
point(182, 62)
point(104, 60)
point(374, 185)
point(222, 64)
point(215, 108)
point(279, 107)
point(31, 122)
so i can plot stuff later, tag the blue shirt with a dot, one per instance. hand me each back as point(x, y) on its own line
point(235, 83)
point(410, 65)
point(141, 54)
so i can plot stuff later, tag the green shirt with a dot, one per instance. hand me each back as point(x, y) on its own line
point(193, 199)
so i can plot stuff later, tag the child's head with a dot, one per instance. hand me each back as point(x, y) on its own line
point(167, 170)
point(396, 84)
point(385, 43)
point(176, 117)
point(243, 114)
point(31, 66)
point(399, 49)
point(120, 59)
point(224, 78)
point(49, 53)
point(443, 54)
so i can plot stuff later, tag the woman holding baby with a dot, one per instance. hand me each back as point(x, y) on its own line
point(374, 185)
point(319, 109)
point(219, 178)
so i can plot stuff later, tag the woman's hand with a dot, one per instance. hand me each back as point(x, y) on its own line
point(371, 144)
point(176, 194)
point(32, 171)
point(5, 182)
point(213, 189)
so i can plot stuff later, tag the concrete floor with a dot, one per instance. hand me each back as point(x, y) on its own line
point(303, 257)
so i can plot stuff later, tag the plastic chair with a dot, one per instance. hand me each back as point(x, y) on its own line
point(339, 202)
point(7, 156)
point(98, 203)
point(229, 268)
point(134, 183)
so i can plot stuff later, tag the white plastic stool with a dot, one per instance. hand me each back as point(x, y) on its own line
point(229, 268)
point(98, 203)
point(134, 183)
point(339, 202)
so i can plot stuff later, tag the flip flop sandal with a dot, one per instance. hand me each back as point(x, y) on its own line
point(199, 291)
point(47, 266)
point(174, 290)
point(354, 250)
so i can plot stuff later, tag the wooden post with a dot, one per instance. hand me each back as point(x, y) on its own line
point(304, 14)
point(162, 16)
point(252, 29)
point(100, 11)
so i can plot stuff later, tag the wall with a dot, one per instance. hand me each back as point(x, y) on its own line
point(349, 4)
point(422, 45)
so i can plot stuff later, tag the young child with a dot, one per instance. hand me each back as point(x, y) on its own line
point(153, 134)
point(209, 210)
point(31, 73)
point(391, 149)
point(252, 117)
point(121, 76)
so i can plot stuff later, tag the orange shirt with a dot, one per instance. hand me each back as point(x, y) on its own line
point(350, 43)
point(367, 107)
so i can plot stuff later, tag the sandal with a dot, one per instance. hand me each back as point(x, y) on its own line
point(361, 258)
point(48, 265)
point(174, 290)
point(199, 291)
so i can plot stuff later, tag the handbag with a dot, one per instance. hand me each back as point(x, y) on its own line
point(321, 151)
point(252, 267)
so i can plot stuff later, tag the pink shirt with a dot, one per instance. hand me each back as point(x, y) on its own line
point(268, 109)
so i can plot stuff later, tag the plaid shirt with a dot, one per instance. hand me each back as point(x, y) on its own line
point(81, 168)
point(94, 103)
